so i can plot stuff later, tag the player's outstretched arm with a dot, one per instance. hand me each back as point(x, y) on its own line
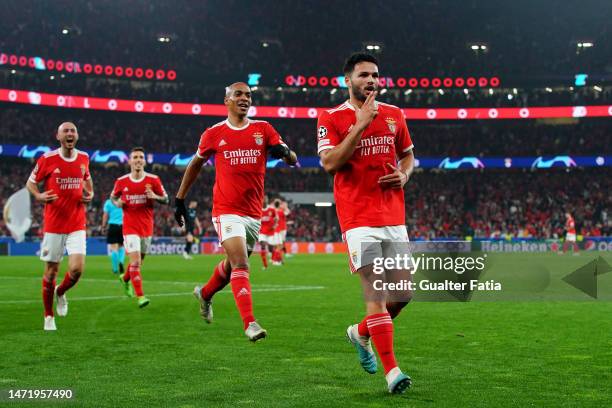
point(281, 151)
point(333, 159)
point(189, 177)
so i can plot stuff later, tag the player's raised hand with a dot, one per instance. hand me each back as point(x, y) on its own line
point(47, 196)
point(397, 179)
point(180, 211)
point(368, 111)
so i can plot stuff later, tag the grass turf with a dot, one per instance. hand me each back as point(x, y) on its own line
point(535, 351)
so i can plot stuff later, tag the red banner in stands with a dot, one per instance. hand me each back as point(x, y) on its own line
point(181, 108)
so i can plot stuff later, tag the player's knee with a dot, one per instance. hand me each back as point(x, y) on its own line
point(51, 272)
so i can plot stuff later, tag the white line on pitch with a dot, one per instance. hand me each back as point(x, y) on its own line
point(279, 289)
point(114, 281)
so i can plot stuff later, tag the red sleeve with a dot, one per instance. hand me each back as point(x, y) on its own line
point(87, 175)
point(403, 141)
point(40, 171)
point(327, 135)
point(206, 148)
point(116, 190)
point(158, 187)
point(273, 138)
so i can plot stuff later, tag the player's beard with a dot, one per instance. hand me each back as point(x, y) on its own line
point(359, 95)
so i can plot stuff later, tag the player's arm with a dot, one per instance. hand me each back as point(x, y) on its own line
point(38, 175)
point(189, 177)
point(45, 197)
point(277, 148)
point(88, 191)
point(333, 159)
point(160, 195)
point(401, 173)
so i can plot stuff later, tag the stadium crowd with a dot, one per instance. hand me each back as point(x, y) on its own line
point(439, 204)
point(178, 134)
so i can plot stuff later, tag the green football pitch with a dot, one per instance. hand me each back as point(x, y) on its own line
point(540, 343)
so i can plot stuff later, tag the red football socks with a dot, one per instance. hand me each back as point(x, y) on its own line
point(242, 294)
point(264, 257)
point(380, 327)
point(136, 278)
point(217, 281)
point(362, 327)
point(67, 283)
point(48, 288)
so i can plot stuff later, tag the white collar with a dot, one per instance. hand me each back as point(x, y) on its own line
point(68, 159)
point(144, 175)
point(229, 125)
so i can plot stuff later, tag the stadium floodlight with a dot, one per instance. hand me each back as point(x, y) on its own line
point(254, 88)
point(304, 89)
point(510, 96)
point(585, 44)
point(333, 91)
point(407, 91)
point(279, 88)
point(548, 89)
point(323, 204)
point(514, 91)
point(441, 91)
point(52, 77)
point(490, 91)
point(475, 47)
point(383, 91)
point(597, 88)
point(13, 71)
point(465, 91)
point(265, 44)
point(373, 46)
point(478, 47)
point(163, 38)
point(65, 31)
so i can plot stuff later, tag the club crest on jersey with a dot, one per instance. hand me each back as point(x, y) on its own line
point(258, 138)
point(83, 170)
point(391, 124)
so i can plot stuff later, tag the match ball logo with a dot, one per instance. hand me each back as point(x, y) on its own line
point(391, 124)
point(258, 138)
point(322, 132)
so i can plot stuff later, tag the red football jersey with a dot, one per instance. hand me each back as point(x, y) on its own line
point(570, 226)
point(137, 208)
point(268, 219)
point(360, 200)
point(282, 220)
point(240, 164)
point(65, 177)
